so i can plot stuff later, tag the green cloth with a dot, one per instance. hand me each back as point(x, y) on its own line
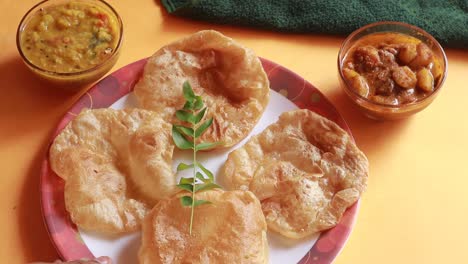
point(446, 20)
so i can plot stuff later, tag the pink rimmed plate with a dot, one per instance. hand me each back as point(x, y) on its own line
point(289, 91)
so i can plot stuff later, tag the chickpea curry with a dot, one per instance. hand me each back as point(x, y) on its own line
point(69, 37)
point(392, 68)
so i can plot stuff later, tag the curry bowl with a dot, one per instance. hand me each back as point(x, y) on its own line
point(70, 43)
point(391, 70)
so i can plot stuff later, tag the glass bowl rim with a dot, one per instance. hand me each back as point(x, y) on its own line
point(402, 24)
point(68, 74)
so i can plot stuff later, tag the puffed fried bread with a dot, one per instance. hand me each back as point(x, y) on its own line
point(116, 165)
point(305, 170)
point(231, 229)
point(229, 77)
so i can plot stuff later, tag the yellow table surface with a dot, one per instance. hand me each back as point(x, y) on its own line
point(414, 211)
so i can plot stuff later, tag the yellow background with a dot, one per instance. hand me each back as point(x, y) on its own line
point(414, 211)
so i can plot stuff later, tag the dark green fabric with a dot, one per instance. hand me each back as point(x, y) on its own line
point(446, 20)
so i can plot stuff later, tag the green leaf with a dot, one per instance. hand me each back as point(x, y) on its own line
point(186, 181)
point(205, 187)
point(182, 166)
point(206, 171)
point(186, 116)
point(189, 105)
point(199, 116)
point(201, 178)
point(180, 141)
point(185, 186)
point(186, 200)
point(188, 92)
point(203, 127)
point(188, 131)
point(193, 112)
point(198, 104)
point(200, 202)
point(206, 145)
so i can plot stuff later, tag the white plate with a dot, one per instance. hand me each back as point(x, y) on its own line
point(124, 250)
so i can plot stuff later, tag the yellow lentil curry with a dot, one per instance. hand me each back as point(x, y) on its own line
point(69, 37)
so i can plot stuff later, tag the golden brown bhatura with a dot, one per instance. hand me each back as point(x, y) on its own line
point(305, 170)
point(231, 229)
point(116, 165)
point(229, 77)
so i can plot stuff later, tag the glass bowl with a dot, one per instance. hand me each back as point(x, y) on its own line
point(73, 79)
point(382, 111)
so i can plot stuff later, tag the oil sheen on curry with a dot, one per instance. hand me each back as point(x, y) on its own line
point(69, 37)
point(392, 68)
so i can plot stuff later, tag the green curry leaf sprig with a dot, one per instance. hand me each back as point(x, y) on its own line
point(187, 137)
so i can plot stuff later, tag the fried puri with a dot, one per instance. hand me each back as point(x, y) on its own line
point(229, 77)
point(305, 170)
point(116, 165)
point(231, 229)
